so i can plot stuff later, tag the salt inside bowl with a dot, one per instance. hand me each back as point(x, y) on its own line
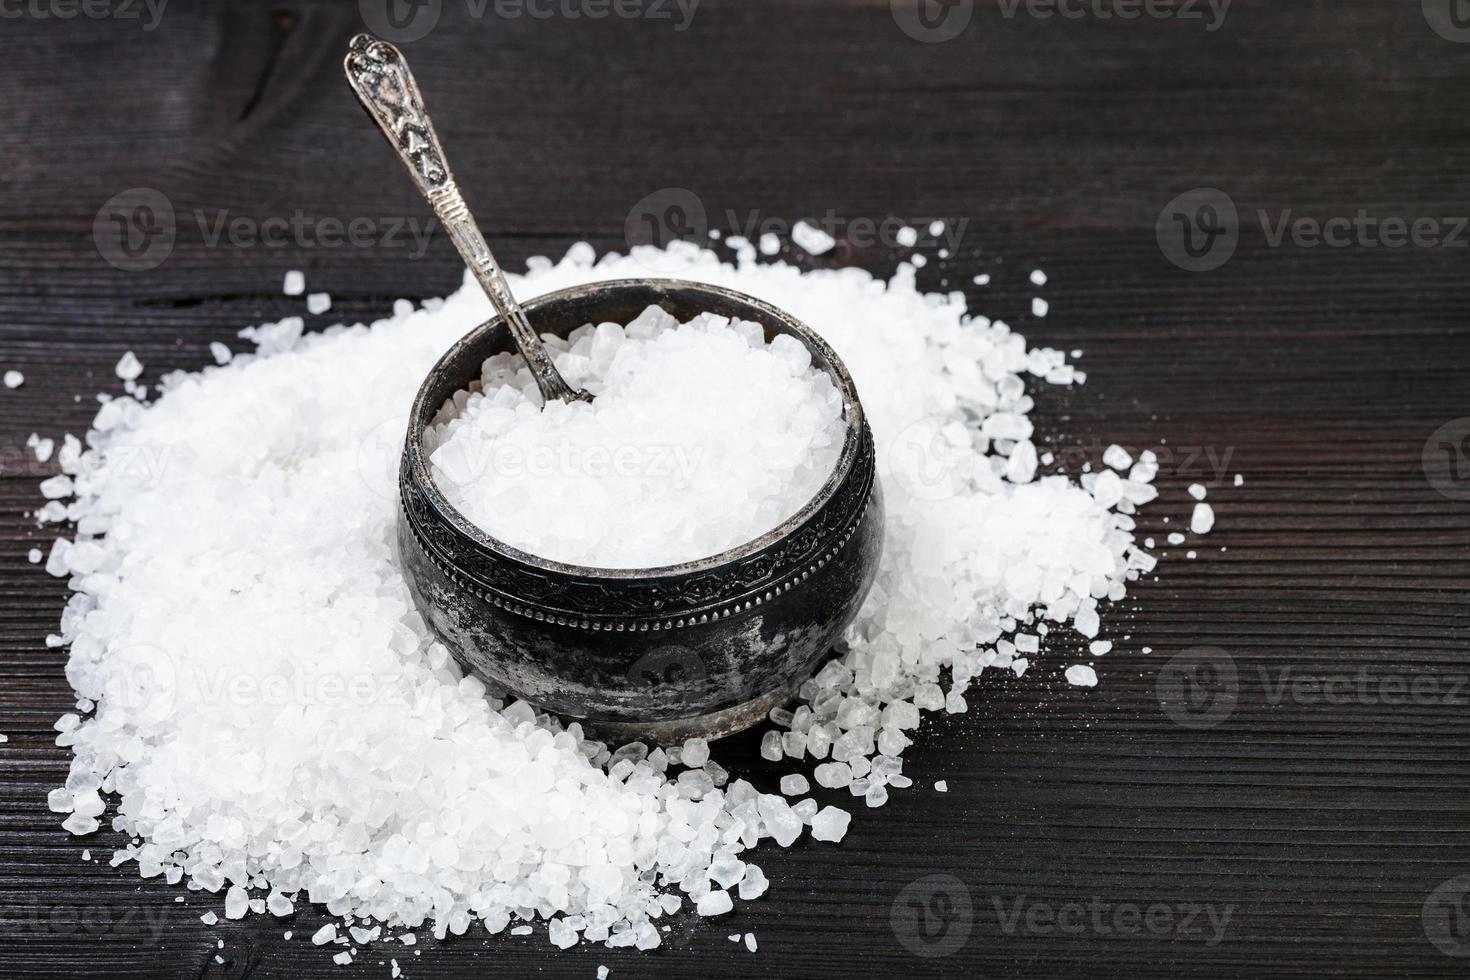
point(703, 436)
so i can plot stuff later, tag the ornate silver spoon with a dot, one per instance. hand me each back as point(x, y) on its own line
point(380, 77)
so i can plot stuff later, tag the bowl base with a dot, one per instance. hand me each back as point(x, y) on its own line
point(716, 724)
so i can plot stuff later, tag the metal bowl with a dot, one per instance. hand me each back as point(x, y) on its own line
point(704, 648)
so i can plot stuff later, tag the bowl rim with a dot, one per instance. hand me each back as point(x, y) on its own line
point(422, 414)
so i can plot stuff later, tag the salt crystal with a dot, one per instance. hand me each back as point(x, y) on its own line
point(1175, 538)
point(941, 786)
point(907, 236)
point(602, 973)
point(209, 918)
point(34, 556)
point(1117, 457)
point(295, 283)
point(794, 784)
point(324, 935)
point(1099, 648)
point(1038, 278)
point(695, 753)
point(813, 239)
point(1203, 519)
point(236, 901)
point(715, 903)
point(129, 367)
point(1081, 675)
point(983, 279)
point(1239, 480)
point(770, 243)
point(14, 379)
point(1039, 306)
point(750, 943)
point(936, 228)
point(1197, 491)
point(318, 303)
point(830, 824)
point(342, 959)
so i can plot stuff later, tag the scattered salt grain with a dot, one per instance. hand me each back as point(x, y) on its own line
point(1203, 519)
point(324, 935)
point(936, 228)
point(908, 237)
point(209, 918)
point(983, 279)
point(715, 903)
point(14, 379)
point(1117, 457)
point(342, 959)
point(770, 243)
point(750, 943)
point(1100, 648)
point(221, 354)
point(129, 367)
point(794, 784)
point(1190, 554)
point(236, 902)
point(940, 786)
point(813, 239)
point(1197, 491)
point(1239, 479)
point(1039, 306)
point(34, 556)
point(1038, 278)
point(1175, 538)
point(295, 283)
point(830, 824)
point(318, 303)
point(1081, 675)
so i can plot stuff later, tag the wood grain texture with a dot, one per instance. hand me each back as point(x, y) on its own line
point(1321, 820)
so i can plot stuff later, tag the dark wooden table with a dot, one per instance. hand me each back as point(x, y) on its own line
point(1288, 802)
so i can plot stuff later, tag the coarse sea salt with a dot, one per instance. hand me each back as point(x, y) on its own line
point(274, 717)
point(701, 437)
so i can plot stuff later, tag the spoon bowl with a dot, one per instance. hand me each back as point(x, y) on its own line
point(704, 648)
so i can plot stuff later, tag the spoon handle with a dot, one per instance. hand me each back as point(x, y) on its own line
point(379, 76)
